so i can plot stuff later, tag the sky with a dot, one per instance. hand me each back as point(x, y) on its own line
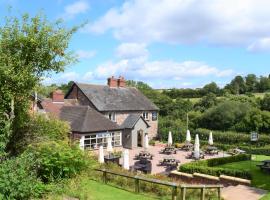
point(165, 43)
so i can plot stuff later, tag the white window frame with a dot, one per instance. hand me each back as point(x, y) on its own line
point(146, 115)
point(112, 116)
point(93, 141)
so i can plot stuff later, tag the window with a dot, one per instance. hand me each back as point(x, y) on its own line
point(112, 116)
point(95, 140)
point(154, 116)
point(145, 115)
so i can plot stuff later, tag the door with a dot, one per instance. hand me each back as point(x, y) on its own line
point(139, 138)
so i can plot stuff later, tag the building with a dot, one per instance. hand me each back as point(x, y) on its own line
point(126, 107)
point(91, 127)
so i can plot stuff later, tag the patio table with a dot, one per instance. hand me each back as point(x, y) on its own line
point(211, 150)
point(112, 159)
point(169, 150)
point(265, 165)
point(187, 146)
point(144, 155)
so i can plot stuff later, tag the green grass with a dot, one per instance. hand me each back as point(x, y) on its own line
point(259, 179)
point(266, 197)
point(92, 190)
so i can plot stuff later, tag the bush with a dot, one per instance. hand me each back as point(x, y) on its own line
point(57, 160)
point(152, 142)
point(18, 179)
point(211, 167)
point(231, 138)
point(40, 128)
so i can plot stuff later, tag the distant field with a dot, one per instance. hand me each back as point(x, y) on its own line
point(257, 95)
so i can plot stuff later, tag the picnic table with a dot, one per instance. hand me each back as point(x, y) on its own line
point(144, 155)
point(187, 146)
point(211, 150)
point(143, 165)
point(169, 161)
point(112, 159)
point(236, 151)
point(191, 156)
point(265, 165)
point(169, 150)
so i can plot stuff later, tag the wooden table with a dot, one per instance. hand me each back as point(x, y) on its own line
point(144, 155)
point(169, 150)
point(191, 156)
point(265, 166)
point(187, 146)
point(143, 165)
point(112, 159)
point(211, 150)
point(169, 161)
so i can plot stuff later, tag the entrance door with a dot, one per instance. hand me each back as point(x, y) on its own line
point(139, 138)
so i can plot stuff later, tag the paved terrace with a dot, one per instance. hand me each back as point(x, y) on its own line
point(180, 155)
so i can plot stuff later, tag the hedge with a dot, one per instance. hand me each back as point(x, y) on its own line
point(211, 167)
point(231, 138)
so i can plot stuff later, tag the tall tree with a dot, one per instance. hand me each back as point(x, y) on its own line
point(251, 82)
point(30, 49)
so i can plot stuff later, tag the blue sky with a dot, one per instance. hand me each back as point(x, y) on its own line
point(165, 43)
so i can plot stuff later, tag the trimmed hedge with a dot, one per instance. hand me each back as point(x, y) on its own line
point(210, 167)
point(231, 138)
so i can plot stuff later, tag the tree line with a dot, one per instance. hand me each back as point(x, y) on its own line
point(238, 85)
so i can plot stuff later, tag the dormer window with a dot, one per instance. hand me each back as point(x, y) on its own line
point(145, 115)
point(112, 116)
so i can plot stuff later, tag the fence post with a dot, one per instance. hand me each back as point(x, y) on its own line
point(137, 185)
point(174, 192)
point(219, 193)
point(203, 193)
point(183, 193)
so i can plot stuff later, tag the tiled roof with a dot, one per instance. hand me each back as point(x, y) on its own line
point(106, 98)
point(131, 121)
point(54, 107)
point(84, 119)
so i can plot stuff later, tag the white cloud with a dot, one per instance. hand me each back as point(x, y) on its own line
point(262, 45)
point(158, 70)
point(78, 7)
point(132, 50)
point(82, 54)
point(222, 22)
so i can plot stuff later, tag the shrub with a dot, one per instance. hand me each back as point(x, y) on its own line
point(211, 166)
point(57, 160)
point(231, 138)
point(152, 142)
point(18, 179)
point(40, 128)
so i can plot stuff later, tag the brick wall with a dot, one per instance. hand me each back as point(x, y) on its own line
point(152, 130)
point(76, 93)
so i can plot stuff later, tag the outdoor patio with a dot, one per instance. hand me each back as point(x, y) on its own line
point(157, 156)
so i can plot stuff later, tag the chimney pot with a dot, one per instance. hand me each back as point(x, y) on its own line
point(112, 82)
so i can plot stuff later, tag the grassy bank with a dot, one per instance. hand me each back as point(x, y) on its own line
point(259, 179)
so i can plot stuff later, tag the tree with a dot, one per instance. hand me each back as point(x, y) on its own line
point(237, 85)
point(211, 88)
point(251, 82)
point(265, 102)
point(30, 49)
point(264, 84)
point(206, 102)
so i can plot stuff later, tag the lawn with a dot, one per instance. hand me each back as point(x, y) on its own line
point(259, 179)
point(92, 190)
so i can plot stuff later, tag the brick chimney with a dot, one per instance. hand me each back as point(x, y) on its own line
point(121, 82)
point(112, 82)
point(57, 96)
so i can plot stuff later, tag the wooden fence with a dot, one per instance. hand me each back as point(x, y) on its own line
point(176, 188)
